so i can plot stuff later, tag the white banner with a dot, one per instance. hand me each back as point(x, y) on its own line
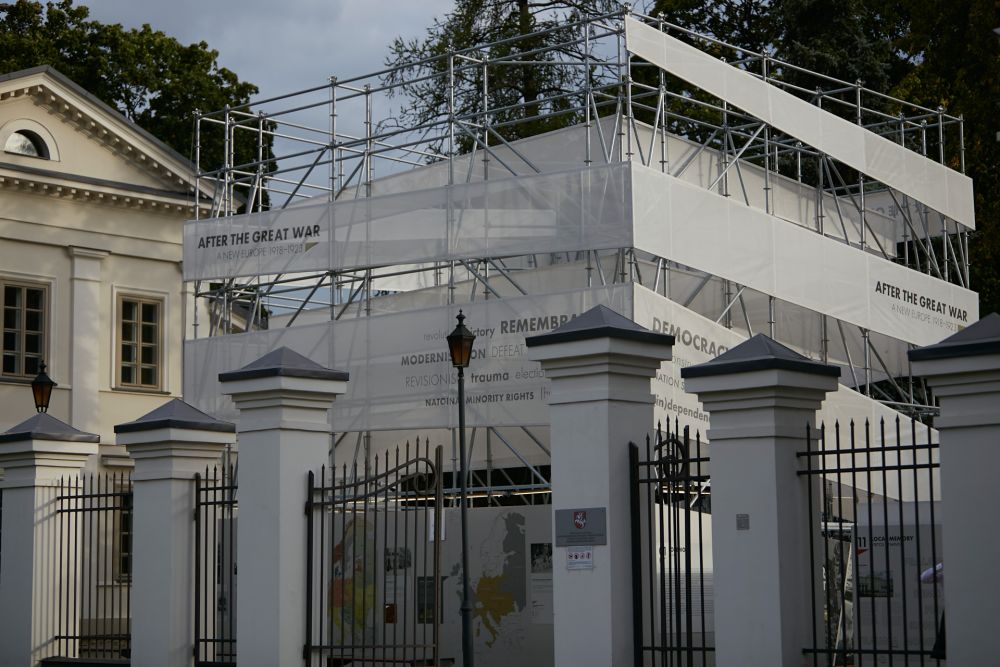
point(698, 339)
point(943, 189)
point(583, 209)
point(721, 236)
point(401, 375)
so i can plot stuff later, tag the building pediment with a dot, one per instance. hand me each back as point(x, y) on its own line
point(91, 151)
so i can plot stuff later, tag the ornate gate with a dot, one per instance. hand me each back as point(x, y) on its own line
point(374, 561)
point(671, 551)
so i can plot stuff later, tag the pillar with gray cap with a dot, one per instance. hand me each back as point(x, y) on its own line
point(760, 397)
point(169, 445)
point(284, 432)
point(600, 365)
point(35, 455)
point(963, 372)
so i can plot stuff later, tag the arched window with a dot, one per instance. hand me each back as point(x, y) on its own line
point(26, 142)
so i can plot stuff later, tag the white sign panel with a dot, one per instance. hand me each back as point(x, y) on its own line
point(945, 190)
point(582, 209)
point(579, 558)
point(715, 234)
point(400, 370)
point(698, 339)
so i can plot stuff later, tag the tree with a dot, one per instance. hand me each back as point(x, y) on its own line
point(151, 78)
point(515, 91)
point(747, 24)
point(956, 64)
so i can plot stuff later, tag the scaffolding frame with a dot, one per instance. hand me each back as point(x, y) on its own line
point(320, 152)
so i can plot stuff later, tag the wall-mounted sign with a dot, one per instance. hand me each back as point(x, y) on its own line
point(580, 558)
point(585, 526)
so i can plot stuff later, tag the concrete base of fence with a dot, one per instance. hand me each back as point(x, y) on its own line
point(169, 445)
point(963, 371)
point(284, 432)
point(761, 396)
point(35, 455)
point(600, 366)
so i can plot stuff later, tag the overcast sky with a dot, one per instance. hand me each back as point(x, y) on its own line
point(282, 45)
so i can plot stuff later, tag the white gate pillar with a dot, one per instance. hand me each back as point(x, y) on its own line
point(760, 396)
point(169, 446)
point(963, 372)
point(35, 456)
point(600, 365)
point(284, 432)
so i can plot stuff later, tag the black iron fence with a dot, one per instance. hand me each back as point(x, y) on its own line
point(374, 561)
point(876, 545)
point(91, 567)
point(215, 519)
point(671, 550)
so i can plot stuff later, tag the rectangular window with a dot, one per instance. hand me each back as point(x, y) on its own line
point(24, 325)
point(139, 342)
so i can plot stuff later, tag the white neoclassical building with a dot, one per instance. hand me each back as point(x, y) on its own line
point(91, 215)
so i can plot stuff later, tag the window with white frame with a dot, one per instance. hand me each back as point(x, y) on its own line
point(28, 143)
point(140, 343)
point(24, 328)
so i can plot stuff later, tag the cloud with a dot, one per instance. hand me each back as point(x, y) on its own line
point(283, 46)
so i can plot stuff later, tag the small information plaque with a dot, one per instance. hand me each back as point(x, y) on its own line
point(586, 526)
point(580, 558)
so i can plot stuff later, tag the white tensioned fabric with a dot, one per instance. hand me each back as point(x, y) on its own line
point(698, 339)
point(945, 190)
point(582, 209)
point(402, 379)
point(704, 230)
point(400, 370)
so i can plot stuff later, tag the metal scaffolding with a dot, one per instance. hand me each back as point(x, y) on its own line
point(345, 139)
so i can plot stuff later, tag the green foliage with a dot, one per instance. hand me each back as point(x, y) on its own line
point(747, 24)
point(151, 78)
point(956, 64)
point(514, 91)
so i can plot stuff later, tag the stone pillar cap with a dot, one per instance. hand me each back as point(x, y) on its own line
point(175, 413)
point(284, 362)
point(599, 322)
point(981, 338)
point(758, 354)
point(43, 426)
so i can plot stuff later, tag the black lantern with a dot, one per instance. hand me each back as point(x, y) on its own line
point(41, 388)
point(460, 344)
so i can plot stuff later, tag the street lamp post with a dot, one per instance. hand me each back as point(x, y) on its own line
point(41, 389)
point(460, 345)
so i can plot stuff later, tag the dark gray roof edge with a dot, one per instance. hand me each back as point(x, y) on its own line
point(103, 182)
point(64, 437)
point(953, 350)
point(280, 371)
point(759, 364)
point(599, 332)
point(138, 427)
